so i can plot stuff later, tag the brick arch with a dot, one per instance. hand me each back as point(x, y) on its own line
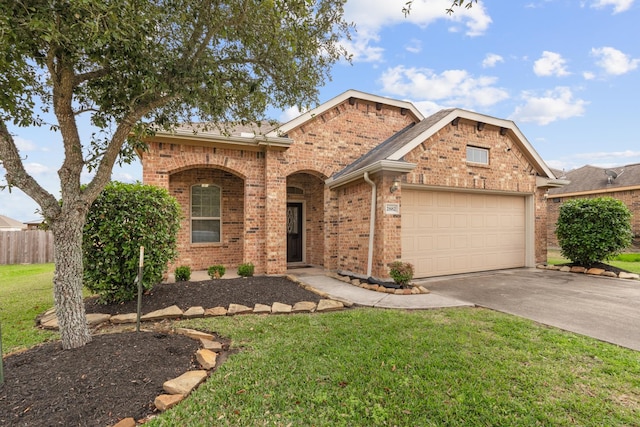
point(317, 174)
point(187, 167)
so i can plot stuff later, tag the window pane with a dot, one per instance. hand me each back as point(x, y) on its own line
point(205, 202)
point(205, 231)
point(478, 155)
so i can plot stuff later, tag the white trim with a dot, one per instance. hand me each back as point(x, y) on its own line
point(351, 93)
point(381, 165)
point(253, 140)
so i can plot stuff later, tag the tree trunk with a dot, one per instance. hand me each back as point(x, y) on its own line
point(67, 279)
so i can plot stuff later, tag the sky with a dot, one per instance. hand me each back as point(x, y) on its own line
point(567, 72)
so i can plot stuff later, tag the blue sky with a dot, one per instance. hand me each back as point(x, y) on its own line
point(566, 71)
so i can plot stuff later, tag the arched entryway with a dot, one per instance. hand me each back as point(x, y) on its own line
point(305, 219)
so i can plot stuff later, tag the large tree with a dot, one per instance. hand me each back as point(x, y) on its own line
point(129, 63)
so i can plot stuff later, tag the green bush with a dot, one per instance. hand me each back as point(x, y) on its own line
point(216, 271)
point(245, 269)
point(401, 272)
point(593, 230)
point(183, 273)
point(123, 218)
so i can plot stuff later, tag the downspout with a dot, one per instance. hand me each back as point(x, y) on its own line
point(372, 222)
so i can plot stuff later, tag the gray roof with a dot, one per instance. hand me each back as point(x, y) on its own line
point(394, 143)
point(591, 178)
point(229, 129)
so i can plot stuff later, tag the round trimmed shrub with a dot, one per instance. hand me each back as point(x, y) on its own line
point(592, 230)
point(183, 273)
point(123, 218)
point(216, 271)
point(401, 272)
point(246, 269)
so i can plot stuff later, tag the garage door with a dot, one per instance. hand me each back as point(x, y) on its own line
point(454, 232)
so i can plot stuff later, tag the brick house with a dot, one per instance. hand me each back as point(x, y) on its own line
point(354, 184)
point(622, 183)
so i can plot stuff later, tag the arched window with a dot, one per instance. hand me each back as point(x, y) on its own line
point(205, 213)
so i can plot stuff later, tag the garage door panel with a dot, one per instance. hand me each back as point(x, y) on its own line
point(455, 232)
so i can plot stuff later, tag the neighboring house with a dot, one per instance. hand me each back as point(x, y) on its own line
point(10, 224)
point(354, 184)
point(622, 183)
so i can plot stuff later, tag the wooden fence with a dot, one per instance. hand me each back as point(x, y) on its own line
point(26, 247)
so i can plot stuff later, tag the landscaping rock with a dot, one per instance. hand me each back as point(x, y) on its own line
point(578, 269)
point(185, 383)
point(211, 345)
point(424, 290)
point(50, 324)
point(48, 316)
point(279, 308)
point(238, 309)
point(166, 401)
point(166, 313)
point(94, 319)
point(196, 335)
point(125, 422)
point(193, 313)
point(595, 271)
point(625, 275)
point(609, 274)
point(303, 307)
point(553, 267)
point(565, 269)
point(215, 311)
point(261, 309)
point(329, 305)
point(206, 358)
point(124, 318)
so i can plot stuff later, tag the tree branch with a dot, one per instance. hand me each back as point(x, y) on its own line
point(17, 176)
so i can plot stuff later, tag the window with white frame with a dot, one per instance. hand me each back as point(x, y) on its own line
point(477, 155)
point(205, 213)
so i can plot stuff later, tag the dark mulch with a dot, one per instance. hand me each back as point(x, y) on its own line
point(119, 375)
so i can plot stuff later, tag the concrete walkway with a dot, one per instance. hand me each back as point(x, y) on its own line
point(350, 294)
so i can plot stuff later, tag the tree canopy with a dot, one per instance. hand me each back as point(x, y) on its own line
point(134, 66)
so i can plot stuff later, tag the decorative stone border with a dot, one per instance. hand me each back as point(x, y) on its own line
point(591, 271)
point(49, 319)
point(414, 290)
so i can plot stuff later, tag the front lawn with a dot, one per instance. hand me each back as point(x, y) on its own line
point(25, 292)
point(373, 367)
point(625, 261)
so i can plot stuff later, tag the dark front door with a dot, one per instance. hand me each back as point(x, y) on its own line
point(294, 232)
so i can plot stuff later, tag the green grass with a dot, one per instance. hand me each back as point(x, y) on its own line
point(25, 292)
point(626, 261)
point(372, 367)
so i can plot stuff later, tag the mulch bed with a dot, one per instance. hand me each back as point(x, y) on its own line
point(118, 375)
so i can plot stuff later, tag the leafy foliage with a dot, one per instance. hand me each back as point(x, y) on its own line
point(123, 218)
point(401, 272)
point(183, 273)
point(216, 271)
point(592, 230)
point(246, 269)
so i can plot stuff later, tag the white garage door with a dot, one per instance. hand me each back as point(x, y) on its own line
point(454, 232)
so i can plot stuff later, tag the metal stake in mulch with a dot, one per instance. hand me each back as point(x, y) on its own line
point(139, 280)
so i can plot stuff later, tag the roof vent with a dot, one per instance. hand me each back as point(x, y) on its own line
point(612, 175)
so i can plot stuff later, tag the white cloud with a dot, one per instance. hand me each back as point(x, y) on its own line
point(588, 75)
point(491, 60)
point(35, 169)
point(556, 104)
point(370, 16)
point(361, 47)
point(451, 87)
point(415, 46)
point(613, 61)
point(290, 114)
point(618, 5)
point(550, 64)
point(24, 144)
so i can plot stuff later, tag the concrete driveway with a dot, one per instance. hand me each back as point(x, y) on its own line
point(603, 308)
